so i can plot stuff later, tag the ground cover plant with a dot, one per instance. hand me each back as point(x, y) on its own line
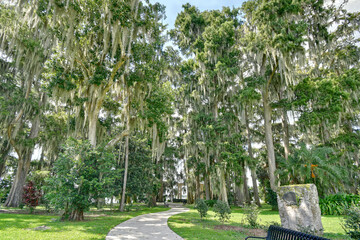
point(16, 224)
point(189, 226)
point(337, 204)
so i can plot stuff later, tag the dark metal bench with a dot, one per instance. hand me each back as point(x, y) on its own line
point(279, 233)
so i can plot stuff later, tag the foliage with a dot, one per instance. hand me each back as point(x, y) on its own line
point(351, 223)
point(201, 207)
point(5, 185)
point(38, 178)
point(31, 196)
point(315, 164)
point(222, 211)
point(251, 213)
point(140, 175)
point(338, 203)
point(271, 198)
point(81, 174)
point(128, 207)
point(210, 202)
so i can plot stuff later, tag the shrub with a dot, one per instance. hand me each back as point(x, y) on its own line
point(201, 207)
point(251, 213)
point(351, 223)
point(210, 203)
point(128, 207)
point(222, 211)
point(31, 196)
point(5, 185)
point(271, 198)
point(76, 181)
point(338, 203)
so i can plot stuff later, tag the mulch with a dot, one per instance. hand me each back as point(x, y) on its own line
point(257, 232)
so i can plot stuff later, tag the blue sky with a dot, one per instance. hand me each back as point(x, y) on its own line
point(173, 7)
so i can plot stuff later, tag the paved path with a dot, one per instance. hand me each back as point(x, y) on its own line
point(148, 226)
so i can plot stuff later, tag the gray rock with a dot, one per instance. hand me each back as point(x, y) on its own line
point(299, 208)
point(41, 228)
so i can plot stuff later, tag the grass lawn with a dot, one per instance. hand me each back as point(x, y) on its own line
point(96, 225)
point(189, 226)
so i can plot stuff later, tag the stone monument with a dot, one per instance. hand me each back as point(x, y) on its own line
point(299, 208)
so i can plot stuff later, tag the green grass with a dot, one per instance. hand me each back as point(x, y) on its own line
point(96, 225)
point(189, 226)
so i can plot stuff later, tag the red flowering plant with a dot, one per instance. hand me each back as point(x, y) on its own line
point(31, 196)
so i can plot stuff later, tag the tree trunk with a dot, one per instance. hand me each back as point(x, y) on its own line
point(286, 140)
point(190, 199)
point(5, 150)
point(126, 150)
point(15, 195)
point(152, 200)
point(255, 187)
point(228, 184)
point(122, 205)
point(220, 171)
point(253, 173)
point(76, 215)
point(245, 185)
point(207, 186)
point(111, 202)
point(161, 192)
point(239, 193)
point(41, 161)
point(93, 119)
point(2, 165)
point(269, 142)
point(223, 192)
point(197, 195)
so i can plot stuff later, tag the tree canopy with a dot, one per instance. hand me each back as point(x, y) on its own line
point(110, 105)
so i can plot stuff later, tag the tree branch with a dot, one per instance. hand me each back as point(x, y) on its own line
point(118, 138)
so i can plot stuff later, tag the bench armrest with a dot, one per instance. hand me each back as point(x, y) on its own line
point(255, 237)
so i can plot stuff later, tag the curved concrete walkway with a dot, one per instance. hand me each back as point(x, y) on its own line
point(147, 226)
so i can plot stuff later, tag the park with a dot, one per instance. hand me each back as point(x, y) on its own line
point(155, 119)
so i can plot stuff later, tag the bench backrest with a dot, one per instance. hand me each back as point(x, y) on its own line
point(279, 233)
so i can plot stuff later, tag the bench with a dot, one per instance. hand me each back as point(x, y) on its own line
point(165, 204)
point(279, 233)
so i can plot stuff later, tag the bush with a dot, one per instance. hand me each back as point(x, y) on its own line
point(210, 203)
point(251, 213)
point(128, 207)
point(271, 198)
point(76, 181)
point(5, 185)
point(31, 196)
point(201, 207)
point(351, 223)
point(222, 211)
point(338, 203)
